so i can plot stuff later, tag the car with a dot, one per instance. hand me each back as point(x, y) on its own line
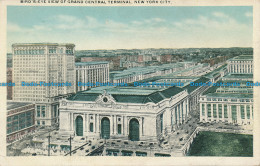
point(82, 139)
point(126, 143)
point(87, 151)
point(34, 154)
point(93, 147)
point(81, 148)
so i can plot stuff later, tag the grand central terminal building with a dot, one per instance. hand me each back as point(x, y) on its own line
point(134, 113)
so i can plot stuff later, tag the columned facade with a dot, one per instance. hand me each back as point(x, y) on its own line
point(108, 117)
point(237, 111)
point(90, 73)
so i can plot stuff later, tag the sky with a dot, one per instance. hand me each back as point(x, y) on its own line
point(92, 28)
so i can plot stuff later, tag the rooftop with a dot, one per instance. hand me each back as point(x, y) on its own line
point(90, 63)
point(40, 44)
point(230, 95)
point(192, 88)
point(242, 57)
point(13, 105)
point(249, 76)
point(128, 94)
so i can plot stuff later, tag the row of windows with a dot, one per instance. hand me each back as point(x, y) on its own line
point(241, 100)
point(31, 52)
point(19, 122)
point(244, 111)
point(242, 61)
point(16, 117)
point(39, 122)
point(41, 113)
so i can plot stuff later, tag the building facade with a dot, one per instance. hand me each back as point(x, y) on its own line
point(232, 101)
point(37, 64)
point(124, 113)
point(232, 108)
point(242, 64)
point(20, 120)
point(91, 72)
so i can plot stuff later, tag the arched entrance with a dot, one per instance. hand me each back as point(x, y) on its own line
point(105, 128)
point(134, 130)
point(79, 126)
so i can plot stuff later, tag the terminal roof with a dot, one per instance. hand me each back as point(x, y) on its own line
point(128, 94)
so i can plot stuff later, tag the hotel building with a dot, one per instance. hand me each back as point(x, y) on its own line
point(43, 62)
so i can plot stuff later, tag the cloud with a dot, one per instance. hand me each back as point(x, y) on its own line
point(12, 27)
point(206, 23)
point(216, 29)
point(67, 22)
point(220, 15)
point(249, 14)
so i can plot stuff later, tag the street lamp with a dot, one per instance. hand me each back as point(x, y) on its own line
point(49, 142)
point(70, 138)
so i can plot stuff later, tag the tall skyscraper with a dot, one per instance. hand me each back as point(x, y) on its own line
point(37, 64)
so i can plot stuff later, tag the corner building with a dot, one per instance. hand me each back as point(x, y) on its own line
point(43, 62)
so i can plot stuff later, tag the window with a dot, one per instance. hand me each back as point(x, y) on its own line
point(248, 111)
point(161, 119)
point(225, 111)
point(119, 128)
point(43, 123)
point(209, 110)
point(214, 111)
point(9, 119)
point(234, 112)
point(91, 127)
point(38, 113)
point(203, 109)
point(43, 108)
point(43, 113)
point(9, 130)
point(242, 110)
point(38, 122)
point(220, 110)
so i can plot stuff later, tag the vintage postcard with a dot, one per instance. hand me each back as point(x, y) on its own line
point(130, 82)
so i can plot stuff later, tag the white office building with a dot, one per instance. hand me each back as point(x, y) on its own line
point(40, 63)
point(91, 72)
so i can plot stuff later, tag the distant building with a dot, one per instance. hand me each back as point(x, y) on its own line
point(139, 73)
point(43, 63)
point(166, 58)
point(20, 120)
point(91, 72)
point(114, 61)
point(147, 57)
point(242, 64)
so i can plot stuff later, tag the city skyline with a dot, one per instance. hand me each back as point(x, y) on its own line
point(130, 27)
